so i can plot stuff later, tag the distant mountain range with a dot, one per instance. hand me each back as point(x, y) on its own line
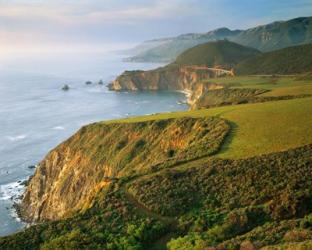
point(270, 37)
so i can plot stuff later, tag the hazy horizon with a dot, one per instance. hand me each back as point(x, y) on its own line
point(37, 26)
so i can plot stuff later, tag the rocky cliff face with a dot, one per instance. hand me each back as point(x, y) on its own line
point(71, 174)
point(186, 79)
point(167, 78)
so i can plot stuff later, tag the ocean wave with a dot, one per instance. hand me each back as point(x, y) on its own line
point(16, 138)
point(11, 191)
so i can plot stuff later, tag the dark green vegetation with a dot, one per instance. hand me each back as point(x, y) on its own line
point(113, 220)
point(227, 96)
point(174, 189)
point(265, 38)
point(221, 53)
point(208, 62)
point(111, 223)
point(291, 60)
point(222, 176)
point(248, 61)
point(225, 202)
point(194, 201)
point(234, 96)
point(254, 89)
point(259, 201)
point(100, 153)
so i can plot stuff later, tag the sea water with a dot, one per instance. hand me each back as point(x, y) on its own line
point(36, 114)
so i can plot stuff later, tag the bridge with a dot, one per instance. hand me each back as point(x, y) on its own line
point(218, 70)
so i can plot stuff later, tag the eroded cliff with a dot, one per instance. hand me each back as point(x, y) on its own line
point(71, 174)
point(191, 80)
point(167, 78)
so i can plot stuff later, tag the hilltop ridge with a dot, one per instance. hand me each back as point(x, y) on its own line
point(269, 37)
point(215, 58)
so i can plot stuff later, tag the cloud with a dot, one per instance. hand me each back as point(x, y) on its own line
point(161, 9)
point(77, 14)
point(72, 22)
point(35, 23)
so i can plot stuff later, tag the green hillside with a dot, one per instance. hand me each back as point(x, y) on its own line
point(259, 128)
point(235, 173)
point(292, 60)
point(221, 53)
point(269, 37)
point(277, 35)
point(253, 89)
point(254, 191)
point(168, 51)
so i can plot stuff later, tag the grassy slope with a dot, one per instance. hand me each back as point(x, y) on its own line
point(291, 60)
point(269, 37)
point(212, 188)
point(223, 53)
point(277, 84)
point(258, 128)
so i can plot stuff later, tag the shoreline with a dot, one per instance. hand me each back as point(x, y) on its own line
point(15, 204)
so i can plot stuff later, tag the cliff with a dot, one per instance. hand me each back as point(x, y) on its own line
point(187, 79)
point(202, 62)
point(167, 78)
point(71, 175)
point(190, 71)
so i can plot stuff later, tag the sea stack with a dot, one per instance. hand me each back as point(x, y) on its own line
point(65, 87)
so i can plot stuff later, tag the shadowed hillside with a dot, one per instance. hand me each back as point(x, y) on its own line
point(292, 60)
point(270, 37)
point(180, 75)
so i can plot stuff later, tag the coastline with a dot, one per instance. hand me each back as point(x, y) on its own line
point(138, 99)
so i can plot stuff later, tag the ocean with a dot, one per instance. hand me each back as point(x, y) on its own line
point(36, 114)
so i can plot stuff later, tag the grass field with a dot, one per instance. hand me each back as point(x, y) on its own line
point(280, 85)
point(256, 128)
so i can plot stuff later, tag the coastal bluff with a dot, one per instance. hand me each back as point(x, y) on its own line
point(69, 177)
point(166, 78)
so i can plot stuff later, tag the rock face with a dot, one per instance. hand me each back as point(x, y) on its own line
point(187, 79)
point(167, 78)
point(65, 87)
point(71, 174)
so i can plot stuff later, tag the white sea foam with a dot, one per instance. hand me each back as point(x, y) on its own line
point(16, 138)
point(141, 102)
point(58, 128)
point(11, 191)
point(186, 92)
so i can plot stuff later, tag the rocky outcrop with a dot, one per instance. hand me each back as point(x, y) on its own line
point(191, 80)
point(167, 78)
point(71, 175)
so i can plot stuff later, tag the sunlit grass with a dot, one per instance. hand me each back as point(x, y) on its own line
point(282, 85)
point(257, 128)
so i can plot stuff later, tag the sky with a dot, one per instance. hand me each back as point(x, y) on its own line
point(38, 25)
